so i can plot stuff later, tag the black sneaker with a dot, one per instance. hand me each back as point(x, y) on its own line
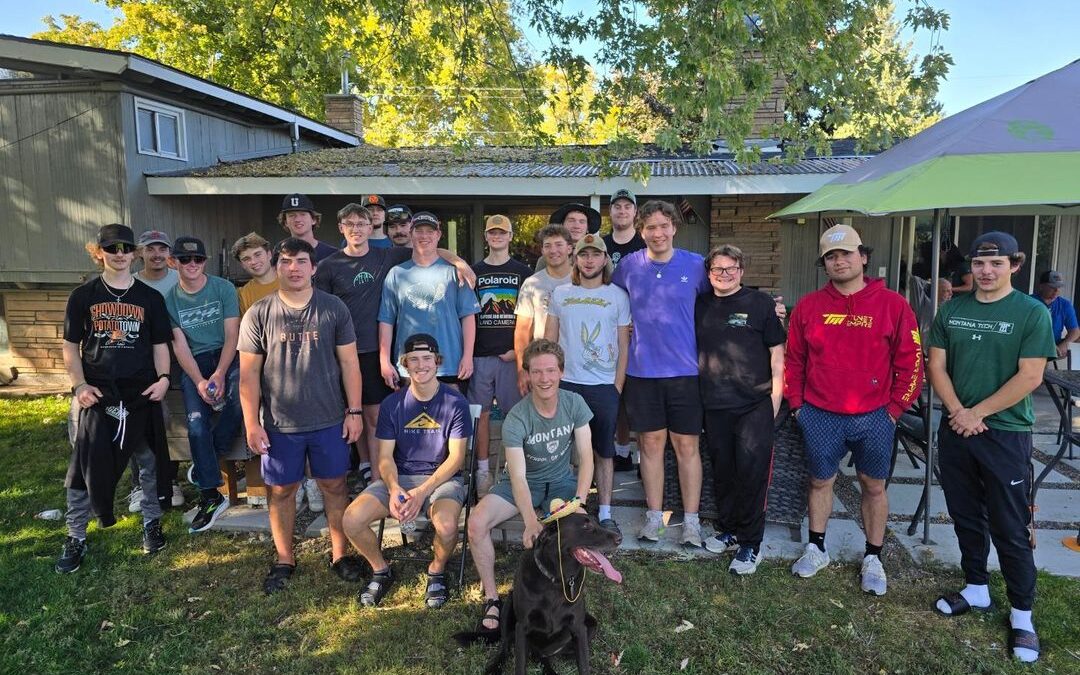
point(621, 463)
point(71, 556)
point(208, 513)
point(153, 539)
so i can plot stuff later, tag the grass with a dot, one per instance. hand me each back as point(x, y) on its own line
point(197, 606)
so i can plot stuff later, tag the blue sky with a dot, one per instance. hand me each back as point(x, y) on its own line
point(996, 44)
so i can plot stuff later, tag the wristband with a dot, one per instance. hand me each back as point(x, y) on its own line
point(354, 411)
point(165, 375)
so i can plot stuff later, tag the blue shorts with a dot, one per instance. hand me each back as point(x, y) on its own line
point(828, 437)
point(324, 449)
point(541, 492)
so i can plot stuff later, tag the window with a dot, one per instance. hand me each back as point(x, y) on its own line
point(159, 130)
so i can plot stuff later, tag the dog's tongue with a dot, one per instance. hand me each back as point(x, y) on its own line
point(605, 564)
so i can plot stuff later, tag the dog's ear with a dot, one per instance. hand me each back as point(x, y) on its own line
point(544, 537)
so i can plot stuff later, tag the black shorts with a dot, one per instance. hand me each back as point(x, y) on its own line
point(657, 403)
point(374, 389)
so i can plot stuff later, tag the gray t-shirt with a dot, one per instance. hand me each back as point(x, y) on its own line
point(534, 298)
point(162, 285)
point(301, 378)
point(589, 321)
point(546, 441)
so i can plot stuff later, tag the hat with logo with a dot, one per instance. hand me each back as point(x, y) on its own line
point(426, 219)
point(375, 200)
point(420, 342)
point(297, 202)
point(590, 241)
point(624, 194)
point(398, 212)
point(994, 244)
point(498, 222)
point(188, 246)
point(842, 237)
point(591, 214)
point(115, 233)
point(154, 237)
point(1052, 278)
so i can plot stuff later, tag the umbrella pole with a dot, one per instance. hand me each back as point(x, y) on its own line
point(940, 215)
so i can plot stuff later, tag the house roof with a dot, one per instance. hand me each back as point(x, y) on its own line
point(79, 62)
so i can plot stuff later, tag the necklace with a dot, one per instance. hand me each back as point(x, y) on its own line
point(659, 268)
point(109, 289)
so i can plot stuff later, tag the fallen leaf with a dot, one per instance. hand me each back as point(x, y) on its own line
point(682, 665)
point(684, 626)
point(123, 643)
point(215, 667)
point(837, 603)
point(800, 647)
point(106, 625)
point(194, 598)
point(616, 659)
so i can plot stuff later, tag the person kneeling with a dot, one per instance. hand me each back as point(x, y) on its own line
point(422, 432)
point(537, 433)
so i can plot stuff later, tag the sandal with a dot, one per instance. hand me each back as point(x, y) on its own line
point(437, 593)
point(377, 588)
point(277, 578)
point(1023, 639)
point(959, 605)
point(348, 568)
point(486, 615)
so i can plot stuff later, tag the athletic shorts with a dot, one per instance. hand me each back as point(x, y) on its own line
point(603, 401)
point(493, 379)
point(374, 388)
point(658, 403)
point(452, 489)
point(324, 449)
point(828, 437)
point(542, 492)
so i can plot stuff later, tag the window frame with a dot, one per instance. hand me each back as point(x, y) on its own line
point(160, 109)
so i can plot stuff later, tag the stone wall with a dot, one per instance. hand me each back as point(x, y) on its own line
point(35, 321)
point(742, 220)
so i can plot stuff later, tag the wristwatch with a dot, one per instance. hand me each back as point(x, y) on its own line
point(161, 375)
point(354, 411)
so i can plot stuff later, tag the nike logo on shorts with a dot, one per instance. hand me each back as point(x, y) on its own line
point(1016, 482)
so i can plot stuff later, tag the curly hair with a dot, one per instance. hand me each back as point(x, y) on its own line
point(542, 346)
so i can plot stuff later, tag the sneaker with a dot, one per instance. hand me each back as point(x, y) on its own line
point(71, 556)
point(722, 542)
point(653, 528)
point(691, 535)
point(611, 525)
point(135, 501)
point(813, 560)
point(483, 483)
point(300, 497)
point(177, 495)
point(873, 576)
point(745, 561)
point(256, 501)
point(365, 476)
point(153, 539)
point(621, 463)
point(208, 513)
point(314, 495)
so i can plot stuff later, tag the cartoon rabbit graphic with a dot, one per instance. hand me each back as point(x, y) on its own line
point(599, 358)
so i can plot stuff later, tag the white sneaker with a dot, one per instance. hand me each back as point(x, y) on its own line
point(653, 528)
point(314, 495)
point(256, 501)
point(483, 483)
point(745, 561)
point(813, 560)
point(135, 501)
point(691, 535)
point(873, 576)
point(722, 542)
point(177, 495)
point(300, 497)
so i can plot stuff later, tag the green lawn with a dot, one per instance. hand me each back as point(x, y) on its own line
point(198, 607)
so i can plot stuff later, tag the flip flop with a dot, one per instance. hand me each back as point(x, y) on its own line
point(1023, 639)
point(959, 605)
point(277, 578)
point(348, 568)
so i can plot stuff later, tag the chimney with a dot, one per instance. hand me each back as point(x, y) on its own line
point(345, 112)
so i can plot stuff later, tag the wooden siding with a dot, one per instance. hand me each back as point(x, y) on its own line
point(61, 177)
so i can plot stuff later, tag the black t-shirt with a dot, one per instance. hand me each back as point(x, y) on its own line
point(617, 251)
point(358, 281)
point(117, 336)
point(734, 334)
point(497, 288)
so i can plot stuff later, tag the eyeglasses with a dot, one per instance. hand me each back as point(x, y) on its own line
point(722, 271)
point(348, 225)
point(118, 248)
point(188, 259)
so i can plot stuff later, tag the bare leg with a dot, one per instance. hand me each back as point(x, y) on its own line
point(651, 444)
point(875, 509)
point(368, 443)
point(689, 458)
point(356, 524)
point(491, 511)
point(282, 507)
point(483, 435)
point(335, 497)
point(444, 518)
point(820, 502)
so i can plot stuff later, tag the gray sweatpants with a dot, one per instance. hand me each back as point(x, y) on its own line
point(78, 501)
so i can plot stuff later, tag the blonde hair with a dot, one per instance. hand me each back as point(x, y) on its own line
point(96, 253)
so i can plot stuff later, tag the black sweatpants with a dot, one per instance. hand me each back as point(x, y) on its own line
point(741, 448)
point(987, 482)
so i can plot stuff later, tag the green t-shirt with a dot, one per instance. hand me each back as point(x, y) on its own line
point(983, 343)
point(546, 441)
point(202, 315)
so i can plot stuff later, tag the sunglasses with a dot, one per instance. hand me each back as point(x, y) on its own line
point(186, 259)
point(118, 248)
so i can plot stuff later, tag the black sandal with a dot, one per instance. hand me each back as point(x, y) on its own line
point(437, 593)
point(348, 568)
point(377, 588)
point(1023, 639)
point(959, 605)
point(277, 578)
point(486, 615)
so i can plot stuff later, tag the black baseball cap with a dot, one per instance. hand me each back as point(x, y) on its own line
point(994, 244)
point(426, 219)
point(115, 233)
point(591, 214)
point(420, 342)
point(297, 202)
point(398, 212)
point(188, 246)
point(375, 200)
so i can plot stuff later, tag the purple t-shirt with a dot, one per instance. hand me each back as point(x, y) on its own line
point(662, 297)
point(421, 429)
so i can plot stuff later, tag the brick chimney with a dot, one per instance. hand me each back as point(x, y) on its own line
point(345, 112)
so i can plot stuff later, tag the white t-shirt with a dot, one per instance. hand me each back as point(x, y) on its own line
point(589, 319)
point(534, 298)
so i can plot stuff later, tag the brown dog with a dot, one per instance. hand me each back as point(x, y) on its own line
point(546, 610)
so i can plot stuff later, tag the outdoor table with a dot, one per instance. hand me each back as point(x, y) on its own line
point(1062, 386)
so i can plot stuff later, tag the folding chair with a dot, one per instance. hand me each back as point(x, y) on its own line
point(469, 480)
point(911, 437)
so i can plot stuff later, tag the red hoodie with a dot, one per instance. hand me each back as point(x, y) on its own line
point(851, 354)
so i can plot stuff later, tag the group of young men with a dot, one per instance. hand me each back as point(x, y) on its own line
point(372, 343)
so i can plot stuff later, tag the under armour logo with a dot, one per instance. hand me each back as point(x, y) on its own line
point(976, 337)
point(294, 201)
